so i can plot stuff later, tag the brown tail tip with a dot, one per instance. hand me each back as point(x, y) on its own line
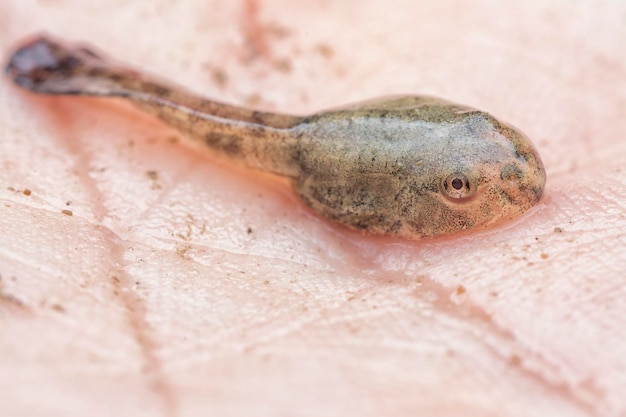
point(42, 59)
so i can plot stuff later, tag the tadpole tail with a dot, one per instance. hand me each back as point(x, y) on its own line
point(48, 67)
point(261, 139)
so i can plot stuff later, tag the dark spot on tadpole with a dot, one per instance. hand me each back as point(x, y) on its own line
point(90, 53)
point(116, 77)
point(39, 60)
point(157, 89)
point(511, 172)
point(97, 72)
point(257, 117)
point(258, 131)
point(224, 143)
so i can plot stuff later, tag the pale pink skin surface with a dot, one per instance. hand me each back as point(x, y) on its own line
point(211, 290)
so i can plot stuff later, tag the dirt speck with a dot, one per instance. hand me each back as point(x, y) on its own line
point(58, 308)
point(181, 250)
point(218, 75)
point(515, 360)
point(9, 300)
point(67, 212)
point(558, 230)
point(325, 50)
point(192, 228)
point(277, 30)
point(154, 176)
point(26, 192)
point(283, 65)
point(249, 230)
point(253, 100)
point(459, 295)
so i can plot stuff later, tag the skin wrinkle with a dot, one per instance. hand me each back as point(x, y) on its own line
point(122, 282)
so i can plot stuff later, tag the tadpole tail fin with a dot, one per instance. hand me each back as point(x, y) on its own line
point(47, 67)
point(260, 139)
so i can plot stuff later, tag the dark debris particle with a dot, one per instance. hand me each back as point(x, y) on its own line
point(325, 50)
point(58, 308)
point(67, 212)
point(283, 65)
point(219, 76)
point(515, 360)
point(26, 192)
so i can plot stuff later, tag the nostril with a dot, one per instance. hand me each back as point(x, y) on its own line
point(511, 172)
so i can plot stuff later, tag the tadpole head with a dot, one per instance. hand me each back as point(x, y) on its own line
point(483, 173)
point(496, 176)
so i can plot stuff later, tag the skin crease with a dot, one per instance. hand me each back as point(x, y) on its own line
point(174, 290)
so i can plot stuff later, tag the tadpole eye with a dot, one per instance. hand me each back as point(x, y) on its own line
point(457, 187)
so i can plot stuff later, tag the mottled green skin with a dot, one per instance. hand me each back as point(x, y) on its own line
point(379, 167)
point(406, 166)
